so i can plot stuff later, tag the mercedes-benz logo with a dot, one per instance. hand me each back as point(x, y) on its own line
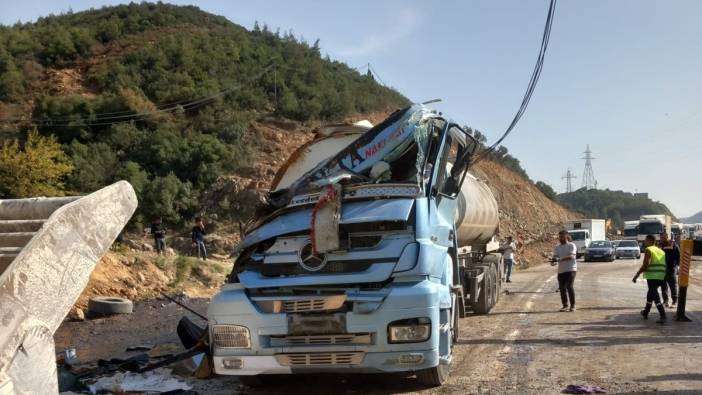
point(310, 261)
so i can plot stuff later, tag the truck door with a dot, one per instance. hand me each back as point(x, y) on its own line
point(451, 165)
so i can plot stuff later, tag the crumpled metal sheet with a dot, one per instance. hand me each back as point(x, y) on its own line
point(351, 213)
point(325, 221)
point(43, 282)
point(387, 138)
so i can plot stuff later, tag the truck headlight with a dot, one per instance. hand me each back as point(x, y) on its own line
point(413, 330)
point(231, 336)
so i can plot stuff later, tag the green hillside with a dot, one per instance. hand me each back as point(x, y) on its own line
point(164, 95)
point(618, 205)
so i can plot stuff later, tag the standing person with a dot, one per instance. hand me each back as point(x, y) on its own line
point(198, 236)
point(159, 233)
point(519, 258)
point(653, 269)
point(672, 261)
point(565, 256)
point(508, 248)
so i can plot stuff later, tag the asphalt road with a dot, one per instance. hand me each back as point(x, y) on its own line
point(525, 346)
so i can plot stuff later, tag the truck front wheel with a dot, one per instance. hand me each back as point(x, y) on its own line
point(438, 375)
point(435, 376)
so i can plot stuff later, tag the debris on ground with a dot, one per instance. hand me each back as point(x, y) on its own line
point(189, 333)
point(141, 347)
point(159, 380)
point(584, 389)
point(110, 305)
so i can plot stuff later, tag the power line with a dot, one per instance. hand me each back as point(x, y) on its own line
point(99, 119)
point(375, 73)
point(532, 82)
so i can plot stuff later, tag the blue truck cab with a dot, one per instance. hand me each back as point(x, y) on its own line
point(359, 265)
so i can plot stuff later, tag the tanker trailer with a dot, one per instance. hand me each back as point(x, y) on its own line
point(374, 241)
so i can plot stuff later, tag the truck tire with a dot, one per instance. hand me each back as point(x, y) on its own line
point(110, 305)
point(439, 374)
point(492, 283)
point(435, 376)
point(497, 261)
point(487, 289)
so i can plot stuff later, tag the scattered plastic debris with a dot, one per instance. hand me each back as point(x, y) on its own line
point(141, 347)
point(130, 364)
point(584, 389)
point(159, 380)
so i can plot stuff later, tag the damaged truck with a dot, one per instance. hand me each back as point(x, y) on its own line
point(374, 241)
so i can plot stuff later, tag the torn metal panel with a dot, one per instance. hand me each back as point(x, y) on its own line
point(326, 215)
point(389, 139)
point(44, 280)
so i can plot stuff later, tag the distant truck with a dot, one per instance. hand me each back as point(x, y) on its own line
point(654, 224)
point(584, 231)
point(678, 231)
point(631, 230)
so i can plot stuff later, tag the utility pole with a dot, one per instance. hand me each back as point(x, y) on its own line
point(589, 181)
point(275, 85)
point(569, 176)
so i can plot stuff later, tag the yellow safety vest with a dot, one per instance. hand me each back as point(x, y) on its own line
point(656, 266)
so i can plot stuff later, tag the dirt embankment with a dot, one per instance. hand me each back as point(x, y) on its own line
point(524, 210)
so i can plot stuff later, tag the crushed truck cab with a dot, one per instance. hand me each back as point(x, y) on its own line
point(359, 265)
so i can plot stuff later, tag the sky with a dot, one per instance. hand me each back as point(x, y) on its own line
point(622, 76)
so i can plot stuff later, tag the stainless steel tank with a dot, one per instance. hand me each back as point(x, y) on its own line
point(477, 215)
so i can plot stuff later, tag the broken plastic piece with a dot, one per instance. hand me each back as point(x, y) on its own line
point(584, 389)
point(159, 380)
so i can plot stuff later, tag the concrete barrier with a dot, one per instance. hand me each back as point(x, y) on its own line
point(42, 281)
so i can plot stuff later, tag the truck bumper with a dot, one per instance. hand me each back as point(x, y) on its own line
point(375, 362)
point(403, 301)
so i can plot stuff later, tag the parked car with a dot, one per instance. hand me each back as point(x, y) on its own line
point(601, 250)
point(628, 249)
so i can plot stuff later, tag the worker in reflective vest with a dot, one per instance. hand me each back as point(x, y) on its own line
point(653, 269)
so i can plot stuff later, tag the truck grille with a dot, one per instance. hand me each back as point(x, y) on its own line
point(301, 305)
point(294, 269)
point(320, 359)
point(350, 338)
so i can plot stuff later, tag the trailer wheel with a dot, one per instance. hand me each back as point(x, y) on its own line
point(485, 297)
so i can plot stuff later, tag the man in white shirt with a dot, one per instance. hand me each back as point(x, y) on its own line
point(565, 256)
point(508, 248)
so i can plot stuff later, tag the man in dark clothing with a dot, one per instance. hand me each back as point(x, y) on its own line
point(198, 237)
point(672, 261)
point(159, 233)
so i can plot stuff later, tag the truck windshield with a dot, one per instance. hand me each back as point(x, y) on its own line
point(577, 235)
point(631, 232)
point(650, 228)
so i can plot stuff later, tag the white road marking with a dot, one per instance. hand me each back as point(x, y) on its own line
point(512, 336)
